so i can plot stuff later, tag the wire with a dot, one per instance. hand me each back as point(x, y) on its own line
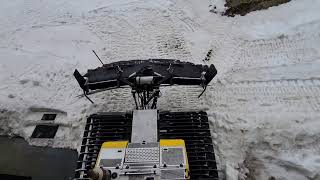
point(84, 93)
point(204, 89)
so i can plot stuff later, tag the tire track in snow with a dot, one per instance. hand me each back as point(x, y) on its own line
point(146, 33)
point(266, 96)
point(240, 55)
point(182, 98)
point(284, 50)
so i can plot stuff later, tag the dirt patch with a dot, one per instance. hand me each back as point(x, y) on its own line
point(243, 7)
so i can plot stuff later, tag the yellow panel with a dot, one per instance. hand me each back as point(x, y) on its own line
point(171, 142)
point(176, 142)
point(115, 144)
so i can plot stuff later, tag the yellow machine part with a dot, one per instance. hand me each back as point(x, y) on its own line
point(163, 143)
point(173, 143)
point(115, 144)
point(111, 145)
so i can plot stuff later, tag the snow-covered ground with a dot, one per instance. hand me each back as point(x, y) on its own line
point(264, 105)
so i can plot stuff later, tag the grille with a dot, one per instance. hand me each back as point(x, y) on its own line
point(142, 154)
point(99, 129)
point(193, 128)
point(172, 156)
point(45, 131)
point(49, 117)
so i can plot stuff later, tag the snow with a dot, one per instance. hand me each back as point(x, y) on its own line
point(218, 6)
point(263, 106)
point(289, 19)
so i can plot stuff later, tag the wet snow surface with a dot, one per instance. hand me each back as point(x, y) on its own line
point(264, 105)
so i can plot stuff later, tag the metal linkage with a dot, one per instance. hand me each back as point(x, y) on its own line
point(99, 129)
point(146, 98)
point(193, 128)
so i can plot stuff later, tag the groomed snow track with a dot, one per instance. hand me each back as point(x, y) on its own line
point(193, 127)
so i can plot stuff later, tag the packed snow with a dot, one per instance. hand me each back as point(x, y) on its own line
point(263, 106)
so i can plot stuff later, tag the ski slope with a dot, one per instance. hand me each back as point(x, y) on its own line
point(263, 105)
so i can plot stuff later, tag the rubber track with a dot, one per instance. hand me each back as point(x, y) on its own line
point(100, 128)
point(193, 127)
